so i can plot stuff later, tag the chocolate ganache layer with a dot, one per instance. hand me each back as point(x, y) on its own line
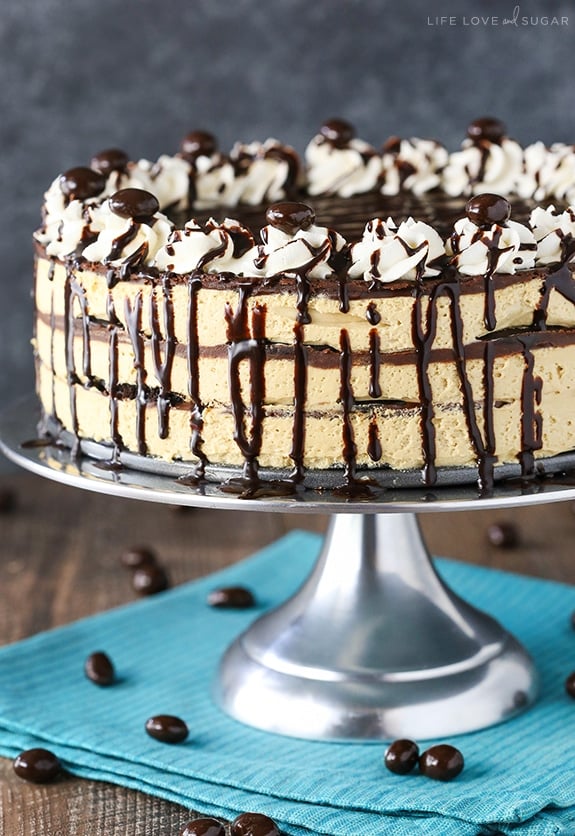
point(400, 308)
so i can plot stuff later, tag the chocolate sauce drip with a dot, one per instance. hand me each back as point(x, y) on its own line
point(374, 364)
point(113, 379)
point(372, 314)
point(374, 450)
point(300, 395)
point(252, 349)
point(289, 156)
point(134, 260)
point(193, 353)
point(353, 488)
point(423, 336)
point(531, 419)
point(424, 331)
point(122, 241)
point(134, 327)
point(563, 282)
point(488, 463)
point(303, 293)
point(489, 315)
point(349, 451)
point(163, 366)
point(73, 379)
point(51, 269)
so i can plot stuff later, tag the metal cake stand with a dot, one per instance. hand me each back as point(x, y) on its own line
point(374, 645)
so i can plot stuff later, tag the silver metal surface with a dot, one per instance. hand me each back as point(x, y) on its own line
point(19, 422)
point(375, 646)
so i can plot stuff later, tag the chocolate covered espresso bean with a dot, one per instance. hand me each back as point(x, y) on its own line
point(99, 668)
point(231, 597)
point(37, 765)
point(254, 824)
point(442, 762)
point(203, 827)
point(149, 580)
point(167, 729)
point(504, 535)
point(401, 756)
point(137, 556)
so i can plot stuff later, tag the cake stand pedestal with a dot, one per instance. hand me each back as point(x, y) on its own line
point(374, 645)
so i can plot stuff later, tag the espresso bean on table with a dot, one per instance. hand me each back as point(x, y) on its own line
point(166, 728)
point(442, 762)
point(231, 597)
point(37, 765)
point(148, 580)
point(401, 756)
point(254, 824)
point(503, 534)
point(137, 556)
point(203, 827)
point(99, 668)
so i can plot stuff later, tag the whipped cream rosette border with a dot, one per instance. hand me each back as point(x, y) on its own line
point(112, 211)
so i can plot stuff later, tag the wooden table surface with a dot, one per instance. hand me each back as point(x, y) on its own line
point(59, 550)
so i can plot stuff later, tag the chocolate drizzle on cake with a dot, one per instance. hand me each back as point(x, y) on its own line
point(300, 392)
point(163, 365)
point(193, 353)
point(242, 346)
point(147, 325)
point(133, 315)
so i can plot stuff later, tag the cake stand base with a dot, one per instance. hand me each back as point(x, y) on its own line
point(375, 646)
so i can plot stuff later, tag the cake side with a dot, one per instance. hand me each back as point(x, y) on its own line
point(442, 340)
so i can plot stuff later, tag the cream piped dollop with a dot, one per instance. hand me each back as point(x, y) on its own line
point(554, 233)
point(339, 163)
point(123, 240)
point(488, 161)
point(413, 164)
point(212, 247)
point(293, 242)
point(486, 241)
point(388, 252)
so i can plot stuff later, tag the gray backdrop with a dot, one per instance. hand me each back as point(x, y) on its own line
point(77, 76)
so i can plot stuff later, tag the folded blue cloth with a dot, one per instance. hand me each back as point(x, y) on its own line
point(519, 777)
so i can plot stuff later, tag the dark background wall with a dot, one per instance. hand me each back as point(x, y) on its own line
point(77, 76)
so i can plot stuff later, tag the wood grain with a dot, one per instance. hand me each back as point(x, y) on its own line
point(59, 561)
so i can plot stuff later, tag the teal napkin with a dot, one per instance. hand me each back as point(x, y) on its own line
point(519, 777)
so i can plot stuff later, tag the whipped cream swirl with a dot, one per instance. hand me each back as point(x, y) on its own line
point(65, 227)
point(413, 164)
point(387, 252)
point(213, 247)
point(260, 172)
point(67, 211)
point(501, 248)
point(307, 250)
point(488, 167)
point(555, 234)
point(123, 241)
point(339, 163)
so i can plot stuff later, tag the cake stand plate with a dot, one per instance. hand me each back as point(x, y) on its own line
point(374, 645)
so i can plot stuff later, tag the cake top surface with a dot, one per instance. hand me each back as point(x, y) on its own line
point(407, 211)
